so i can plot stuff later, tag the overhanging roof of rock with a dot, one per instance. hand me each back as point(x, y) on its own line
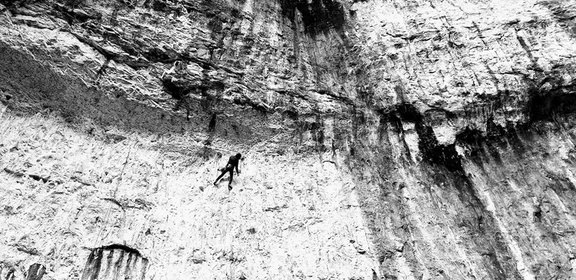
point(320, 56)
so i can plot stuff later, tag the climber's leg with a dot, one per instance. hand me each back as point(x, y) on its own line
point(223, 172)
point(231, 177)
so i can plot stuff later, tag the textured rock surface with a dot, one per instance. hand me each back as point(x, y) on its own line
point(384, 139)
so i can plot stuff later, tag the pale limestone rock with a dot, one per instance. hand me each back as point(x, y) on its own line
point(436, 135)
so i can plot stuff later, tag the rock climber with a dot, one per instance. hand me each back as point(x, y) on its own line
point(232, 163)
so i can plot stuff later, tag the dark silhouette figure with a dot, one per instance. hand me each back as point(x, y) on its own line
point(232, 163)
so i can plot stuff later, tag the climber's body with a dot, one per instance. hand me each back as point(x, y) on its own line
point(230, 166)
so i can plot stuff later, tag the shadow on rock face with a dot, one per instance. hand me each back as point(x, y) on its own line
point(545, 105)
point(115, 262)
point(36, 272)
point(318, 16)
point(10, 272)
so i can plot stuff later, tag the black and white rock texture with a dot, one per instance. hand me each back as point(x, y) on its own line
point(401, 139)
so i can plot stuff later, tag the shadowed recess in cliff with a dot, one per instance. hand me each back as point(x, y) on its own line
point(11, 272)
point(210, 93)
point(115, 262)
point(432, 151)
point(548, 104)
point(36, 272)
point(495, 139)
point(318, 16)
point(7, 271)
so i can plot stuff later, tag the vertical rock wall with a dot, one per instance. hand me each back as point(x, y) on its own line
point(403, 139)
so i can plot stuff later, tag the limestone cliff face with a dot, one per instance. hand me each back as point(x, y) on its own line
point(383, 139)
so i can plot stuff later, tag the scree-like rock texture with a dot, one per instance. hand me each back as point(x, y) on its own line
point(398, 139)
